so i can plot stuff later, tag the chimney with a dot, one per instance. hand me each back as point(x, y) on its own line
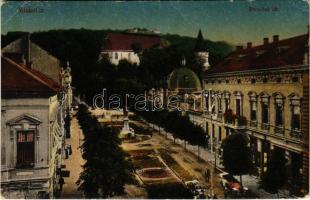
point(249, 45)
point(266, 41)
point(26, 48)
point(239, 47)
point(276, 38)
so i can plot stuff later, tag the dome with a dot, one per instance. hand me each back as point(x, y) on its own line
point(183, 78)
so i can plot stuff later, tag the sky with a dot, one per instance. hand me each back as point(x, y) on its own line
point(233, 21)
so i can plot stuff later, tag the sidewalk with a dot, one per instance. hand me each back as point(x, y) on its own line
point(249, 181)
point(73, 163)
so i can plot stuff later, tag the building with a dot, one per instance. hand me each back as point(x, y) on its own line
point(33, 109)
point(24, 52)
point(127, 46)
point(262, 91)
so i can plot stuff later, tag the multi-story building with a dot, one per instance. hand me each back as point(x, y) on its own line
point(127, 46)
point(33, 108)
point(259, 90)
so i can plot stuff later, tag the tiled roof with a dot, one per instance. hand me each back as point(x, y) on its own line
point(17, 80)
point(275, 54)
point(124, 41)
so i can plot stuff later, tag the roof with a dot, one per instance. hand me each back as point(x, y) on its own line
point(276, 54)
point(184, 78)
point(200, 45)
point(19, 81)
point(125, 41)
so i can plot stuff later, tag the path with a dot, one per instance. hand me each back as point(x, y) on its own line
point(73, 163)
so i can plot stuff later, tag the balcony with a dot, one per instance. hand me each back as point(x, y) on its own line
point(253, 123)
point(265, 126)
point(279, 130)
point(296, 134)
point(234, 121)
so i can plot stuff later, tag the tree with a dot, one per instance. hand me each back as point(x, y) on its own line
point(276, 175)
point(237, 159)
point(107, 167)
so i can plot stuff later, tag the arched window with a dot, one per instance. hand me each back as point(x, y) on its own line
point(116, 55)
point(226, 96)
point(253, 107)
point(295, 112)
point(238, 96)
point(265, 110)
point(279, 112)
point(219, 103)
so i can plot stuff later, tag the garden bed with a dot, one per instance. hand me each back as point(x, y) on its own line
point(145, 158)
point(172, 164)
point(139, 129)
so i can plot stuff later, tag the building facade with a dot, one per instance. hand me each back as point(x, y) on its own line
point(259, 91)
point(33, 109)
point(127, 46)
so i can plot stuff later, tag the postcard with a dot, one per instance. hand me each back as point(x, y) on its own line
point(155, 99)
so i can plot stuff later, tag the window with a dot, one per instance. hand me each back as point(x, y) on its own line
point(295, 117)
point(226, 104)
point(253, 81)
point(220, 133)
point(219, 81)
point(253, 107)
point(239, 81)
point(25, 149)
point(279, 115)
point(265, 80)
point(279, 101)
point(226, 100)
point(227, 81)
point(219, 104)
point(279, 80)
point(238, 107)
point(265, 113)
point(295, 79)
point(212, 82)
point(207, 102)
point(238, 103)
point(265, 108)
point(116, 55)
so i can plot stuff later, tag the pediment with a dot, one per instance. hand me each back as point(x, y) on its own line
point(24, 119)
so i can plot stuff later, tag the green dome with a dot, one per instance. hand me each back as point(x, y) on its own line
point(183, 78)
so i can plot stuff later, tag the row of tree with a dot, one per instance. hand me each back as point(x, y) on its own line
point(238, 160)
point(180, 126)
point(107, 168)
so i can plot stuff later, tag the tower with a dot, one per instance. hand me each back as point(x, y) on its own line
point(201, 51)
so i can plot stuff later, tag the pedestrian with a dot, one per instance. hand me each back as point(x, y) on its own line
point(61, 182)
point(70, 150)
point(67, 153)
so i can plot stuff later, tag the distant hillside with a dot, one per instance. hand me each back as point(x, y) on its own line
point(81, 48)
point(217, 50)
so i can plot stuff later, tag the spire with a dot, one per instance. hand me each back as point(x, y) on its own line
point(199, 47)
